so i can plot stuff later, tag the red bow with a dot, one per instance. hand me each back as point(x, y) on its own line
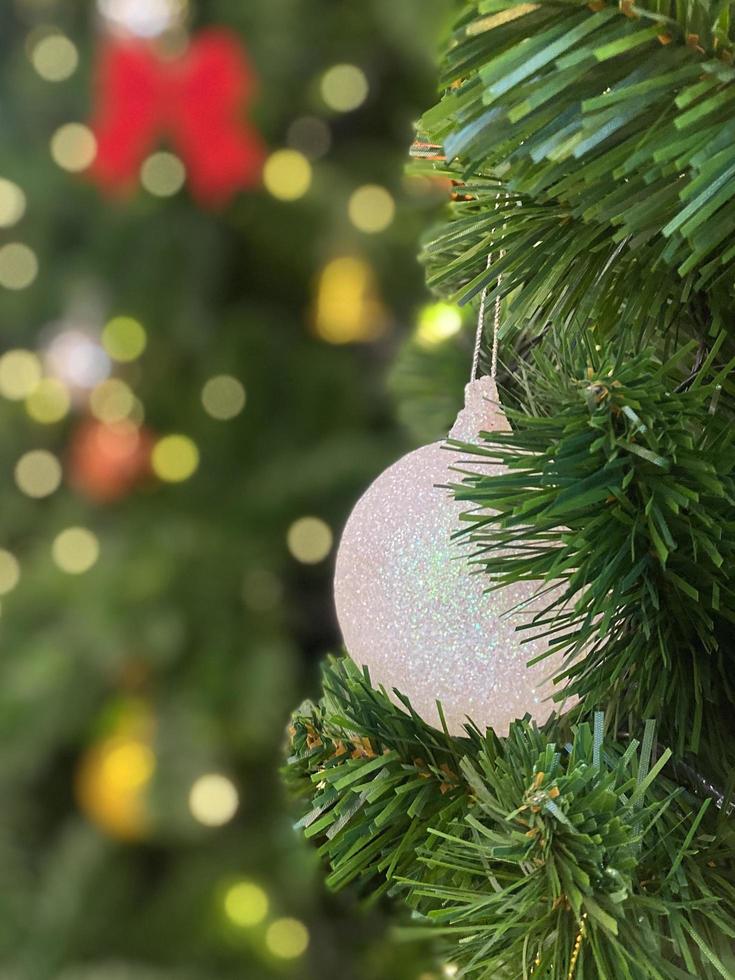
point(195, 100)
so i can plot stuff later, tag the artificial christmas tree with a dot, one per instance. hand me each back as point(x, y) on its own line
point(593, 147)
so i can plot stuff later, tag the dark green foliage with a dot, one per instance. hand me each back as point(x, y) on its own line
point(506, 849)
point(625, 494)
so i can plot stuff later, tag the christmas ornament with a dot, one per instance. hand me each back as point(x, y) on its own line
point(107, 460)
point(411, 608)
point(195, 100)
point(114, 773)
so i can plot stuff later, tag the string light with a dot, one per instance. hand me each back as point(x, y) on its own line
point(75, 550)
point(437, 323)
point(9, 571)
point(309, 540)
point(112, 401)
point(213, 800)
point(55, 57)
point(20, 373)
point(175, 458)
point(371, 209)
point(310, 136)
point(49, 401)
point(287, 175)
point(124, 338)
point(12, 203)
point(18, 265)
point(347, 307)
point(287, 938)
point(73, 147)
point(146, 18)
point(76, 357)
point(38, 473)
point(344, 87)
point(223, 397)
point(163, 174)
point(246, 904)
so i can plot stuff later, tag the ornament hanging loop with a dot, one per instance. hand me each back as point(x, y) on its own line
point(481, 318)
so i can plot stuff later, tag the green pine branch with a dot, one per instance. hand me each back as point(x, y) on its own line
point(509, 851)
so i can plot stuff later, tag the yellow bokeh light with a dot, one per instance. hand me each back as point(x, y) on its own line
point(213, 800)
point(20, 373)
point(163, 174)
point(309, 540)
point(9, 571)
point(175, 458)
point(38, 473)
point(112, 401)
point(12, 203)
point(49, 401)
point(347, 307)
point(371, 209)
point(124, 338)
point(246, 904)
point(287, 175)
point(75, 550)
point(18, 265)
point(73, 147)
point(55, 57)
point(223, 397)
point(344, 87)
point(287, 938)
point(437, 323)
point(129, 764)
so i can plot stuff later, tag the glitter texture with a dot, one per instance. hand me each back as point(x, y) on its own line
point(413, 610)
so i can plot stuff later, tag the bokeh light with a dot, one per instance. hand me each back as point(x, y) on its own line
point(18, 265)
point(49, 401)
point(371, 208)
point(310, 136)
point(344, 87)
point(223, 397)
point(246, 904)
point(75, 550)
point(20, 373)
point(309, 540)
point(287, 175)
point(12, 203)
point(348, 308)
point(38, 473)
point(437, 323)
point(112, 401)
point(287, 938)
point(55, 57)
point(76, 357)
point(124, 338)
point(213, 800)
point(146, 18)
point(73, 147)
point(9, 571)
point(175, 458)
point(163, 174)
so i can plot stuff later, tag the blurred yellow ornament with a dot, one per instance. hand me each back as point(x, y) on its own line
point(348, 307)
point(114, 774)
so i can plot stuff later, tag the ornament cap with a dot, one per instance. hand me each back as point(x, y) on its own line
point(482, 411)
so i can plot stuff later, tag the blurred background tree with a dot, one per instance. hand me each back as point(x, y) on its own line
point(192, 399)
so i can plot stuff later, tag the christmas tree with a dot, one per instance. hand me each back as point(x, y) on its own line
point(198, 301)
point(532, 746)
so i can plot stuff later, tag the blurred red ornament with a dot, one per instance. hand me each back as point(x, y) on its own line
point(195, 100)
point(108, 460)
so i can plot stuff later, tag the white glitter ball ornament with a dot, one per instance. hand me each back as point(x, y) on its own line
point(414, 612)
